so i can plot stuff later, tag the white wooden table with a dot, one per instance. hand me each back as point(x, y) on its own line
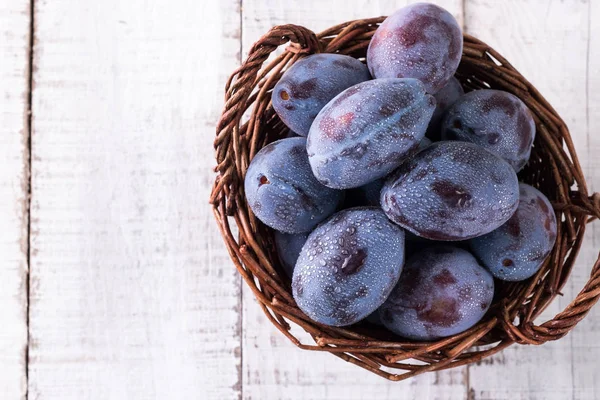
point(114, 282)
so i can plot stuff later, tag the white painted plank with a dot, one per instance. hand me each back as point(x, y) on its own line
point(547, 42)
point(14, 173)
point(133, 295)
point(273, 368)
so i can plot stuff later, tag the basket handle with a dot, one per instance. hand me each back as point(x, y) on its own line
point(565, 321)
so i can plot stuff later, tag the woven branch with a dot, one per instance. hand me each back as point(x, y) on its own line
point(553, 168)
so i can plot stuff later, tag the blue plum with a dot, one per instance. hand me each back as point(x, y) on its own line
point(310, 83)
point(348, 266)
point(496, 120)
point(447, 96)
point(442, 291)
point(366, 131)
point(517, 249)
point(282, 191)
point(421, 41)
point(451, 191)
point(288, 249)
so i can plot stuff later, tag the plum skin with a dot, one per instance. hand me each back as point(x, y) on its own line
point(310, 83)
point(443, 291)
point(282, 191)
point(451, 191)
point(496, 120)
point(421, 41)
point(370, 194)
point(348, 266)
point(366, 131)
point(444, 98)
point(516, 250)
point(288, 249)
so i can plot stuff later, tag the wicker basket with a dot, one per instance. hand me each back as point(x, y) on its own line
point(553, 168)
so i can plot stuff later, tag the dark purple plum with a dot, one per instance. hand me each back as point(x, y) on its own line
point(310, 83)
point(282, 191)
point(288, 249)
point(421, 41)
point(517, 249)
point(496, 120)
point(348, 266)
point(451, 191)
point(442, 291)
point(366, 131)
point(447, 95)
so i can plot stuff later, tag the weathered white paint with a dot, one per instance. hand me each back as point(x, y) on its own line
point(14, 156)
point(273, 368)
point(547, 42)
point(133, 295)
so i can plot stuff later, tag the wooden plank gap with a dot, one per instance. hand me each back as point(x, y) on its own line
point(27, 175)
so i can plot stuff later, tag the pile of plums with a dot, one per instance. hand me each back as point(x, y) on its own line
point(389, 165)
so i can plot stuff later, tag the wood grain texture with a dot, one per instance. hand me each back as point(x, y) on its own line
point(14, 177)
point(586, 121)
point(132, 293)
point(548, 43)
point(273, 368)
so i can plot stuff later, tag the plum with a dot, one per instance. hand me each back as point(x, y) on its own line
point(421, 41)
point(444, 98)
point(310, 83)
point(496, 120)
point(367, 130)
point(442, 291)
point(451, 191)
point(282, 191)
point(348, 266)
point(288, 249)
point(517, 249)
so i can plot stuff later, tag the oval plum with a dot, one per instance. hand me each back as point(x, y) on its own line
point(282, 191)
point(442, 291)
point(310, 83)
point(517, 249)
point(496, 120)
point(367, 130)
point(348, 266)
point(421, 41)
point(451, 191)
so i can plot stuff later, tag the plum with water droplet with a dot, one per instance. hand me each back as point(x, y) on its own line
point(366, 131)
point(517, 249)
point(451, 191)
point(421, 41)
point(310, 83)
point(442, 291)
point(348, 266)
point(496, 120)
point(282, 191)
